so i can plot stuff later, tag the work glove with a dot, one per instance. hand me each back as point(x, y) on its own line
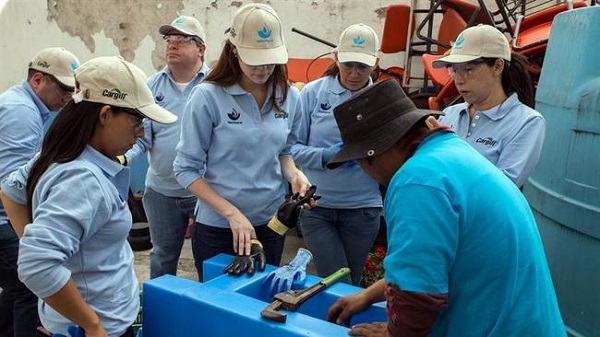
point(245, 263)
point(74, 331)
point(287, 214)
point(291, 275)
point(329, 152)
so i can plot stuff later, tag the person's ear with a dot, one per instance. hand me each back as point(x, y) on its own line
point(36, 80)
point(499, 65)
point(104, 114)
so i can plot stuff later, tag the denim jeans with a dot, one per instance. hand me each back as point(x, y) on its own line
point(18, 305)
point(340, 238)
point(168, 219)
point(208, 241)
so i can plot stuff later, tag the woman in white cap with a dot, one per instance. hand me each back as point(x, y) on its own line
point(237, 130)
point(74, 254)
point(342, 228)
point(497, 118)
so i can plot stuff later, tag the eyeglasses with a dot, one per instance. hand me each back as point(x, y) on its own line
point(357, 66)
point(465, 70)
point(136, 121)
point(179, 40)
point(61, 89)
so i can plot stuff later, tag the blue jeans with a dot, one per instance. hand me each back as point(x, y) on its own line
point(340, 238)
point(168, 219)
point(208, 241)
point(18, 305)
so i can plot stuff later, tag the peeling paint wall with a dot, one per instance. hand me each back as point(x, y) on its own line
point(91, 28)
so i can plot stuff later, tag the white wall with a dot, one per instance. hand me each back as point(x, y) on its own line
point(91, 28)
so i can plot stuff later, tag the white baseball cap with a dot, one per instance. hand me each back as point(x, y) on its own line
point(184, 25)
point(481, 41)
point(358, 43)
point(58, 62)
point(257, 34)
point(114, 81)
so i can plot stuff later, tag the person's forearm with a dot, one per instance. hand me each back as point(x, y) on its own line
point(69, 303)
point(375, 292)
point(288, 167)
point(203, 191)
point(17, 213)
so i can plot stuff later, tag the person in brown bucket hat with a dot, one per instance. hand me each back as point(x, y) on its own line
point(456, 262)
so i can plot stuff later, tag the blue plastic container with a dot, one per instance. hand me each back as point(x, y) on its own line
point(226, 306)
point(564, 190)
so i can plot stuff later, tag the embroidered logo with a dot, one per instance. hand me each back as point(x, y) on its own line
point(233, 117)
point(115, 93)
point(489, 141)
point(459, 42)
point(281, 114)
point(178, 22)
point(159, 97)
point(43, 64)
point(325, 106)
point(265, 32)
point(358, 41)
point(74, 65)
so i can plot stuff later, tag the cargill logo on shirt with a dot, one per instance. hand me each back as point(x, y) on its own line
point(115, 93)
point(489, 141)
point(325, 106)
point(233, 117)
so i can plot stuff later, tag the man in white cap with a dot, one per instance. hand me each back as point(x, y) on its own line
point(24, 109)
point(167, 204)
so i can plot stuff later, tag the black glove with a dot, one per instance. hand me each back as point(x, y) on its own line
point(288, 213)
point(245, 263)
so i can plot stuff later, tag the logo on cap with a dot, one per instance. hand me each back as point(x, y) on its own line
point(74, 65)
point(265, 32)
point(459, 41)
point(358, 41)
point(178, 21)
point(43, 64)
point(114, 93)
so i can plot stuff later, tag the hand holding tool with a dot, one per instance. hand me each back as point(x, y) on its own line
point(245, 263)
point(292, 299)
point(287, 214)
point(292, 274)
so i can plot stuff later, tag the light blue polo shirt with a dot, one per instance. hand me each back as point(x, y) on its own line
point(510, 135)
point(160, 139)
point(458, 226)
point(235, 146)
point(79, 231)
point(346, 186)
point(22, 118)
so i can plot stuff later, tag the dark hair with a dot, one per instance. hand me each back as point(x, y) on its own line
point(65, 140)
point(516, 78)
point(227, 72)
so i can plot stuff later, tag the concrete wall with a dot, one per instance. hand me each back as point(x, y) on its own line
point(91, 28)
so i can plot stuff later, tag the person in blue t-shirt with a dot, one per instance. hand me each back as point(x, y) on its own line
point(24, 109)
point(74, 253)
point(465, 257)
point(167, 204)
point(238, 127)
point(341, 230)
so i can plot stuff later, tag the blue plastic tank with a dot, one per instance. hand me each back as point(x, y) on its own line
point(564, 190)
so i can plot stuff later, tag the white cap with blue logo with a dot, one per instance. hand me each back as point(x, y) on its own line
point(358, 43)
point(257, 34)
point(184, 25)
point(58, 62)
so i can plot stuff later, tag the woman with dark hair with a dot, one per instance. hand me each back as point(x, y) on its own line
point(497, 118)
point(234, 153)
point(341, 230)
point(74, 254)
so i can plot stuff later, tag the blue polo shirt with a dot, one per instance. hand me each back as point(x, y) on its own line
point(235, 146)
point(22, 118)
point(319, 130)
point(79, 231)
point(458, 226)
point(509, 135)
point(160, 139)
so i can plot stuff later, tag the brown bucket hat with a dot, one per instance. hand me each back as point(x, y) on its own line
point(373, 120)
